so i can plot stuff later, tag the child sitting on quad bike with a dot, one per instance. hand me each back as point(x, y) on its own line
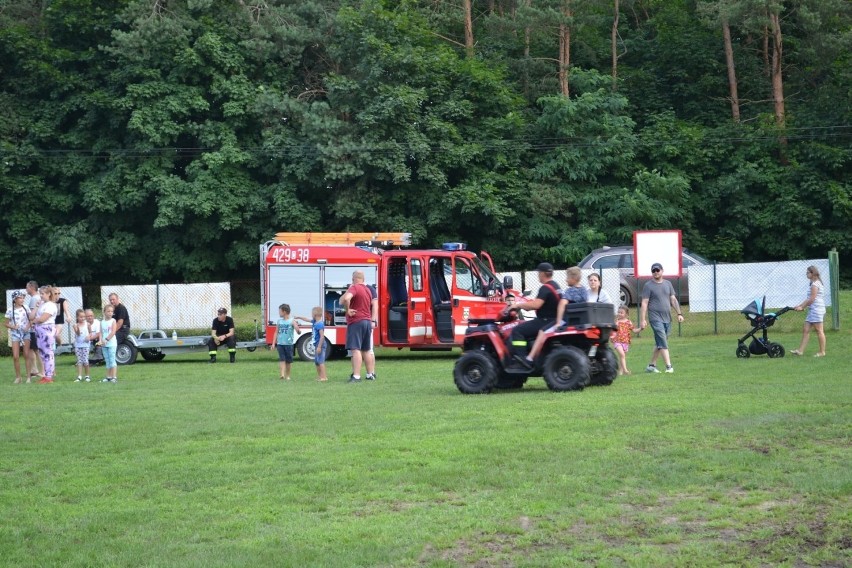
point(575, 292)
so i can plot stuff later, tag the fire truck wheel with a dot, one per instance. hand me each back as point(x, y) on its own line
point(306, 350)
point(475, 373)
point(605, 367)
point(566, 369)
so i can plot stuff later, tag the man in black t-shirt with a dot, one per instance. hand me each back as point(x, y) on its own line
point(544, 304)
point(121, 317)
point(222, 332)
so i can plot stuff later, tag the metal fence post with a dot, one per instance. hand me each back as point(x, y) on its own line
point(834, 278)
point(715, 303)
point(157, 308)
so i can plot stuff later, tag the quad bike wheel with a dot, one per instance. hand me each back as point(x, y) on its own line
point(475, 373)
point(775, 350)
point(566, 369)
point(743, 352)
point(604, 368)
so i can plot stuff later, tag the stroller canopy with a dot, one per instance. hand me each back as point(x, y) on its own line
point(755, 308)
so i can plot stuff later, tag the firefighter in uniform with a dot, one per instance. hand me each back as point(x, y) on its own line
point(222, 332)
point(545, 304)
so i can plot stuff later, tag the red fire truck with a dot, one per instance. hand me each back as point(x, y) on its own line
point(425, 296)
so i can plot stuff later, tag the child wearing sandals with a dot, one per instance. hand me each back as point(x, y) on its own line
point(18, 324)
point(623, 335)
point(82, 340)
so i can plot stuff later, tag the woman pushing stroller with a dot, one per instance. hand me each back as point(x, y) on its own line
point(815, 302)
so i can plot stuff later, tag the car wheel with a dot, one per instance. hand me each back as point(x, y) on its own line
point(624, 296)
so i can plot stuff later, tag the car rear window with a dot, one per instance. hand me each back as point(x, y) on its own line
point(609, 261)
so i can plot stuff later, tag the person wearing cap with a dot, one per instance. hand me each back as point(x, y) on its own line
point(658, 298)
point(545, 304)
point(18, 324)
point(222, 331)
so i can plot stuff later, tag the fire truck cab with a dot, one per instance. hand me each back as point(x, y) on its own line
point(425, 297)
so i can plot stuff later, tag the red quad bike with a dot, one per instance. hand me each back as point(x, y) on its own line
point(574, 356)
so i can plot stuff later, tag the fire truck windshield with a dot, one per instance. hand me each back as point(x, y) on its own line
point(489, 280)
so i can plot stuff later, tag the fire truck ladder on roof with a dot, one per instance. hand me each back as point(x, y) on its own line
point(352, 239)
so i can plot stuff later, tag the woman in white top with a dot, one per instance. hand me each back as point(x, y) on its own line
point(816, 313)
point(596, 294)
point(45, 332)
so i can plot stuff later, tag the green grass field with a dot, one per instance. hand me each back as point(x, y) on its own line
point(726, 462)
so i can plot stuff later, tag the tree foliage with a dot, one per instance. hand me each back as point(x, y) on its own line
point(145, 139)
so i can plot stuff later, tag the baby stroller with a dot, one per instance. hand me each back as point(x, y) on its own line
point(760, 321)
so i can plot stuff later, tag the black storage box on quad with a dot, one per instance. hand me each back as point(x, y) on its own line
point(589, 313)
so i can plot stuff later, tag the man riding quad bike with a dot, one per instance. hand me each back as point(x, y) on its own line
point(575, 352)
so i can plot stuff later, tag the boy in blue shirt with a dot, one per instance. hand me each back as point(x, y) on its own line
point(284, 338)
point(318, 341)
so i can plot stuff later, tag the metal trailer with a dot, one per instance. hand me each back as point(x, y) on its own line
point(155, 344)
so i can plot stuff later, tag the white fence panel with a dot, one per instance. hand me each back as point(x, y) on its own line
point(783, 284)
point(181, 306)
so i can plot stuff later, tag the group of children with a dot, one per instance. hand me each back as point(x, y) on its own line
point(285, 335)
point(32, 329)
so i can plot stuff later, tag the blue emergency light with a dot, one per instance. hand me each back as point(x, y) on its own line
point(454, 246)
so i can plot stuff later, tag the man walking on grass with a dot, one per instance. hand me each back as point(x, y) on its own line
point(658, 297)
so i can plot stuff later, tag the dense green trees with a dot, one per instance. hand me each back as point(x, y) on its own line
point(166, 139)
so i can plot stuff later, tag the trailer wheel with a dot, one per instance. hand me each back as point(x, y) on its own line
point(306, 350)
point(251, 349)
point(566, 369)
point(475, 373)
point(605, 367)
point(152, 354)
point(125, 353)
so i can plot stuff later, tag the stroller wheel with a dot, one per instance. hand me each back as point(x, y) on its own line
point(742, 352)
point(775, 350)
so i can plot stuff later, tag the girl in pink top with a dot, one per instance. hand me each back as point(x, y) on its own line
point(623, 335)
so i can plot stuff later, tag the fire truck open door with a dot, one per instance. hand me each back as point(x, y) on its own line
point(419, 307)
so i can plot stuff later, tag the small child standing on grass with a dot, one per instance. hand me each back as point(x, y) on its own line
point(284, 338)
point(318, 341)
point(82, 338)
point(623, 336)
point(18, 323)
point(109, 344)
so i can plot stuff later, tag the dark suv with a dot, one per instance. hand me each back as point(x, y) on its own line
point(621, 257)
